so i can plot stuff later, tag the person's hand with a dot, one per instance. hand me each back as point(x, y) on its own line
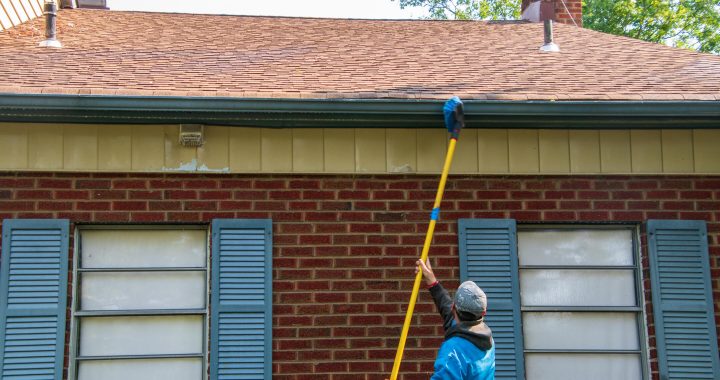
point(426, 271)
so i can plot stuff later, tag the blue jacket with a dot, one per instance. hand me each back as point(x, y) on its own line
point(468, 352)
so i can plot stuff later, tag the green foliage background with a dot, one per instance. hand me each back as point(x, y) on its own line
point(692, 24)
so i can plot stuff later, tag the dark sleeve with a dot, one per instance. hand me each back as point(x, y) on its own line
point(443, 302)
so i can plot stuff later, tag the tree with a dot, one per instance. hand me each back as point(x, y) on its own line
point(693, 24)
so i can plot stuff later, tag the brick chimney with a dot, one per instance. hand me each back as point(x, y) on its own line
point(564, 11)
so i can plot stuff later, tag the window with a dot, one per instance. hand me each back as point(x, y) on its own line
point(141, 304)
point(565, 303)
point(580, 304)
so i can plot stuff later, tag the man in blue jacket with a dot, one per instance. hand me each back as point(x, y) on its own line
point(468, 351)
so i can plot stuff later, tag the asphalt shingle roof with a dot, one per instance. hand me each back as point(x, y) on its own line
point(135, 53)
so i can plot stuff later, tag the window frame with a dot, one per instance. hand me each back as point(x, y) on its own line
point(76, 314)
point(638, 309)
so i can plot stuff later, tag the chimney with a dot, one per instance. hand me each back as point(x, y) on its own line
point(563, 11)
point(50, 12)
point(92, 4)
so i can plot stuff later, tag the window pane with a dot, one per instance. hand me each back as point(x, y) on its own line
point(582, 366)
point(541, 287)
point(141, 335)
point(143, 290)
point(143, 248)
point(584, 247)
point(145, 369)
point(560, 331)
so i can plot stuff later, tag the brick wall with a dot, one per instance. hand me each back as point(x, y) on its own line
point(573, 11)
point(344, 246)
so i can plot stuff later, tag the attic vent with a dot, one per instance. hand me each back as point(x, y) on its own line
point(191, 135)
point(50, 11)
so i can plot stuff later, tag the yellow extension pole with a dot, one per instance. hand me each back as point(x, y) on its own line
point(423, 257)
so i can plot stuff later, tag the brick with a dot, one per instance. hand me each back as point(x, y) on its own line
point(250, 195)
point(111, 217)
point(526, 215)
point(558, 216)
point(109, 194)
point(403, 185)
point(374, 206)
point(17, 183)
point(165, 184)
point(676, 184)
point(235, 183)
point(642, 185)
point(662, 194)
point(71, 194)
point(269, 184)
point(129, 206)
point(389, 195)
point(270, 205)
point(643, 205)
point(92, 184)
point(353, 194)
point(503, 184)
point(339, 206)
point(609, 185)
point(75, 217)
point(147, 217)
point(181, 194)
point(47, 183)
point(365, 228)
point(315, 239)
point(330, 228)
point(165, 206)
point(354, 217)
point(54, 206)
point(209, 216)
point(145, 194)
point(17, 205)
point(33, 194)
point(511, 205)
point(200, 184)
point(703, 195)
point(129, 184)
point(593, 195)
point(216, 195)
point(315, 184)
point(626, 195)
point(6, 194)
point(93, 206)
point(35, 215)
point(518, 195)
point(183, 217)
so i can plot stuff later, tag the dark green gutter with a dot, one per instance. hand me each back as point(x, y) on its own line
point(342, 113)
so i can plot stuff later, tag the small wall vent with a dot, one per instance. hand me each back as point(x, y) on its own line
point(192, 135)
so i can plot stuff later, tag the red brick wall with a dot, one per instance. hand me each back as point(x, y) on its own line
point(573, 11)
point(344, 246)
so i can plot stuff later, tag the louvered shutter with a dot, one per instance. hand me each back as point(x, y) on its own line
point(241, 328)
point(682, 300)
point(33, 298)
point(488, 256)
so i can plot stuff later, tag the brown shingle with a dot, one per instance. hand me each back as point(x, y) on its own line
point(135, 53)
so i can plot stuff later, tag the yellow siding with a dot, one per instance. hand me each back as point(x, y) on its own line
point(523, 151)
point(14, 146)
point(677, 151)
point(115, 147)
point(584, 152)
point(148, 153)
point(431, 150)
point(465, 159)
point(370, 156)
point(646, 151)
point(615, 151)
point(45, 147)
point(339, 148)
point(401, 150)
point(707, 151)
point(276, 150)
point(214, 154)
point(493, 151)
point(155, 148)
point(245, 150)
point(307, 151)
point(80, 147)
point(554, 151)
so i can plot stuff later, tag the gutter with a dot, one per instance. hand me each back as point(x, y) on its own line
point(355, 113)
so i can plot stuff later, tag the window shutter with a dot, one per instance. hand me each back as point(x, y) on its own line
point(682, 300)
point(488, 256)
point(33, 298)
point(241, 303)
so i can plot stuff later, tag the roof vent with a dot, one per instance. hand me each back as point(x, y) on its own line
point(50, 25)
point(549, 46)
point(191, 135)
point(92, 4)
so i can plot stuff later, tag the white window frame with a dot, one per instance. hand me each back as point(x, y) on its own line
point(639, 308)
point(76, 314)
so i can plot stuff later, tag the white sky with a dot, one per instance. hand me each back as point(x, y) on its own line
point(376, 9)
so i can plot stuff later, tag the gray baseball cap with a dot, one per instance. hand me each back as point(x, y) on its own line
point(470, 300)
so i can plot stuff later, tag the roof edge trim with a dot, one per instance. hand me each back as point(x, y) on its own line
point(355, 113)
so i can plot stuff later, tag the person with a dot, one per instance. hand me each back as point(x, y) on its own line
point(468, 351)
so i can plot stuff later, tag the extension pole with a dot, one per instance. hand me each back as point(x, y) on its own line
point(423, 257)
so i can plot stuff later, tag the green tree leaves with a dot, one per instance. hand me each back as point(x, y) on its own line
point(692, 24)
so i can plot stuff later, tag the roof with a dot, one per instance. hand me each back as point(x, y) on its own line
point(168, 54)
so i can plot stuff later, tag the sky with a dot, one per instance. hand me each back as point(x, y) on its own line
point(374, 9)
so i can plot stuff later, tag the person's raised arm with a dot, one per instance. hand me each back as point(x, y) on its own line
point(440, 296)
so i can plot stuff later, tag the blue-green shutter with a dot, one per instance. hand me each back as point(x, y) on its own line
point(241, 303)
point(33, 298)
point(488, 256)
point(682, 300)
